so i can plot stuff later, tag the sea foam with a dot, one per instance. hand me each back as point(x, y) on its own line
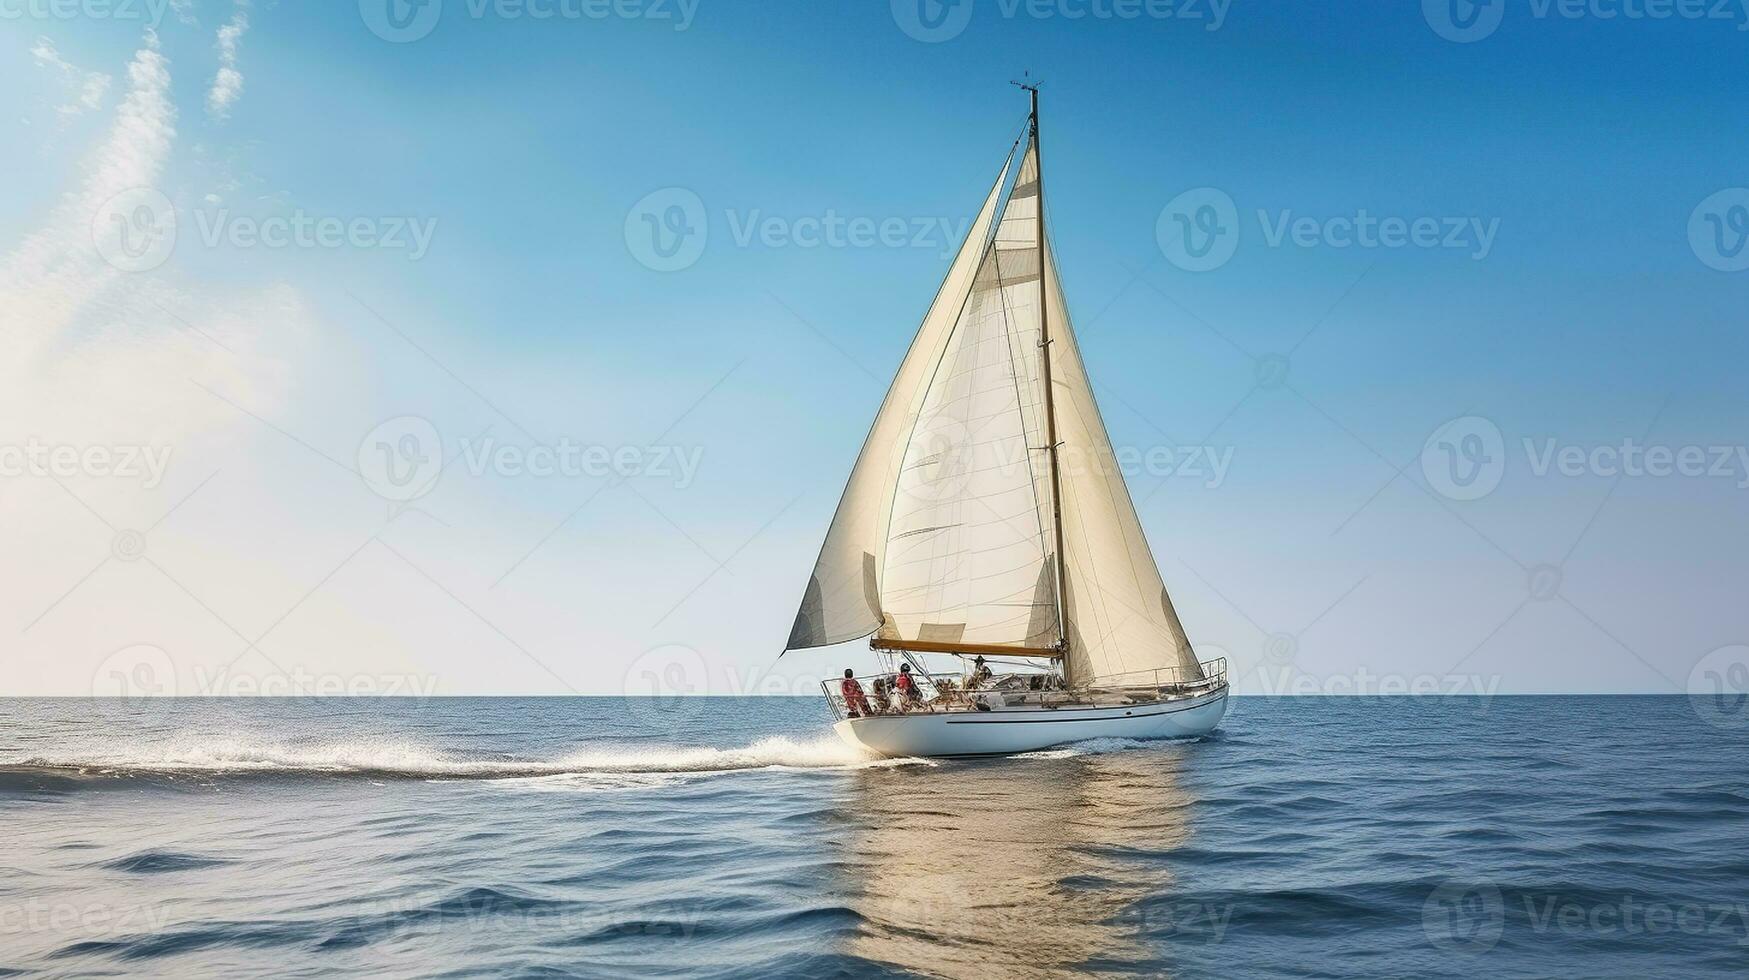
point(411, 759)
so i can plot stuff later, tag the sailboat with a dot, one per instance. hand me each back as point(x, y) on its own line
point(986, 520)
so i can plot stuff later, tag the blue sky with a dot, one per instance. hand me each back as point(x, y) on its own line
point(1583, 172)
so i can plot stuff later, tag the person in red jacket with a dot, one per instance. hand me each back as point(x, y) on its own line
point(854, 700)
point(906, 687)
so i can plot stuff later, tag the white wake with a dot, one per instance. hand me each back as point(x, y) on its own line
point(411, 759)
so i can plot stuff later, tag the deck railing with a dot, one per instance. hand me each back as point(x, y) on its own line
point(1210, 675)
point(946, 691)
point(930, 688)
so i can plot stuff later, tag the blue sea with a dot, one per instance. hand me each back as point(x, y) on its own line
point(728, 837)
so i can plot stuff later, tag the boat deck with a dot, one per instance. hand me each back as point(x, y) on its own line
point(955, 692)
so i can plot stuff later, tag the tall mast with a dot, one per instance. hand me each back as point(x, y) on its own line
point(1044, 342)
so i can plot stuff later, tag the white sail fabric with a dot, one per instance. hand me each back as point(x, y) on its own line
point(945, 534)
point(1121, 620)
point(969, 545)
point(842, 601)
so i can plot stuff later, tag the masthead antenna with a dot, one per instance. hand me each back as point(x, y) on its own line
point(1030, 84)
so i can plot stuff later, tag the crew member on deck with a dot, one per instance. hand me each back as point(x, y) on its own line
point(980, 673)
point(909, 696)
point(854, 700)
point(878, 695)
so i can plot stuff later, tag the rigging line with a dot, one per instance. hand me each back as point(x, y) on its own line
point(1121, 485)
point(1015, 367)
point(1052, 457)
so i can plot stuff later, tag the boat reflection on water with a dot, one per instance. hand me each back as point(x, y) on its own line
point(1025, 866)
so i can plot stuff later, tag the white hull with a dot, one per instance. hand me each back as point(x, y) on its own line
point(1009, 730)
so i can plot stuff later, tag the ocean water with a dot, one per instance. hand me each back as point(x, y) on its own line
point(1375, 837)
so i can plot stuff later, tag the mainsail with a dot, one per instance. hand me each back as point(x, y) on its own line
point(949, 532)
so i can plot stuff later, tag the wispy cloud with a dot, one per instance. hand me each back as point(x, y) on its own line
point(56, 270)
point(86, 88)
point(227, 85)
point(95, 351)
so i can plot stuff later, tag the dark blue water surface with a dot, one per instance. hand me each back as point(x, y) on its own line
point(1393, 837)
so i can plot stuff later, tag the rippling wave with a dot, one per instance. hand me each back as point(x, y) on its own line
point(738, 838)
